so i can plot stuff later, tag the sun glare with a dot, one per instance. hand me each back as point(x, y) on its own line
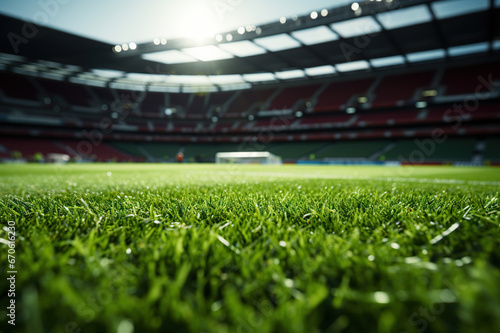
point(198, 23)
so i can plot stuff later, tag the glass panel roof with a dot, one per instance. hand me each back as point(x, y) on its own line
point(388, 61)
point(259, 77)
point(168, 57)
point(316, 35)
point(468, 49)
point(226, 79)
point(277, 42)
point(451, 8)
point(426, 55)
point(320, 70)
point(293, 74)
point(353, 66)
point(242, 49)
point(356, 27)
point(207, 53)
point(404, 17)
point(108, 73)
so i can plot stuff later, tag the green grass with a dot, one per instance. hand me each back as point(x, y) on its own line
point(205, 248)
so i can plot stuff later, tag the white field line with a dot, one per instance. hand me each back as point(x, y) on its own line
point(345, 177)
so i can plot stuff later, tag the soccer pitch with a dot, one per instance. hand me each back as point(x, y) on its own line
point(237, 248)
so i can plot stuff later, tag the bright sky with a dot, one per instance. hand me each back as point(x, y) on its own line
point(120, 21)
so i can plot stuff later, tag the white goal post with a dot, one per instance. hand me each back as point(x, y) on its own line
point(248, 157)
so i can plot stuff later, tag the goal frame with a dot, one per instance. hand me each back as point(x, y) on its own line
point(250, 157)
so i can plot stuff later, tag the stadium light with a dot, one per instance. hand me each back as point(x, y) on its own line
point(282, 20)
point(314, 15)
point(125, 47)
point(117, 48)
point(355, 6)
point(156, 41)
point(350, 110)
point(429, 93)
point(362, 99)
point(421, 105)
point(163, 41)
point(324, 12)
point(241, 30)
point(132, 46)
point(229, 37)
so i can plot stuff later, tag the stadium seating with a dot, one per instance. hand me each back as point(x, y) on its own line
point(18, 86)
point(465, 80)
point(197, 108)
point(27, 148)
point(399, 89)
point(153, 104)
point(247, 99)
point(288, 97)
point(73, 94)
point(338, 94)
point(101, 152)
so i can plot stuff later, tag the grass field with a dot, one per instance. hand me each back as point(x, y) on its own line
point(206, 248)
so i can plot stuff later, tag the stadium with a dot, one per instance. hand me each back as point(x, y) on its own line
point(237, 166)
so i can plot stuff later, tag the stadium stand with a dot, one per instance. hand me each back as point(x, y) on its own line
point(289, 97)
point(492, 151)
point(338, 94)
point(72, 94)
point(352, 150)
point(465, 79)
point(398, 90)
point(424, 150)
point(18, 86)
point(247, 99)
point(369, 113)
point(153, 104)
point(27, 149)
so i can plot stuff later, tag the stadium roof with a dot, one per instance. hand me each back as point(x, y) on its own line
point(364, 36)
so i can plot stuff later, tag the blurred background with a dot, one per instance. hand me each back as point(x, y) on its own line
point(315, 82)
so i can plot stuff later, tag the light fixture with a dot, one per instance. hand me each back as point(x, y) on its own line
point(429, 93)
point(163, 41)
point(314, 15)
point(282, 20)
point(229, 37)
point(324, 12)
point(421, 105)
point(132, 45)
point(156, 41)
point(117, 48)
point(355, 6)
point(350, 110)
point(125, 47)
point(241, 30)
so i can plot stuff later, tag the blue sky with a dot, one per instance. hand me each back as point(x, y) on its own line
point(120, 21)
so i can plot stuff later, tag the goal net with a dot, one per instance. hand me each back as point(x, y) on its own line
point(250, 157)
